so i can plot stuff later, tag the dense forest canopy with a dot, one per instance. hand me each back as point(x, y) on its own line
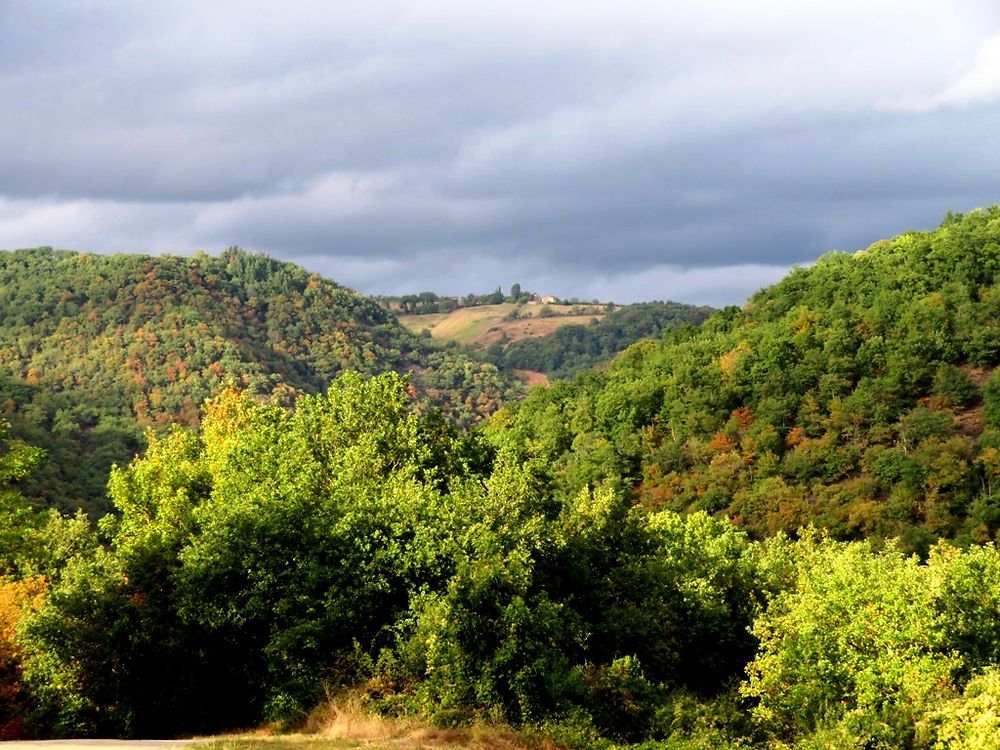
point(774, 531)
point(94, 349)
point(857, 394)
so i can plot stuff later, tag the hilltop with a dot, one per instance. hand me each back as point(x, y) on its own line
point(857, 394)
point(94, 349)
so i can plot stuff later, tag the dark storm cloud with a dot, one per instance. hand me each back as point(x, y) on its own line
point(591, 149)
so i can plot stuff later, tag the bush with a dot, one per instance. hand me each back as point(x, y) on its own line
point(852, 641)
point(969, 722)
point(17, 598)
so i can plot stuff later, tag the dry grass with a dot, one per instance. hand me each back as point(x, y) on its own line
point(464, 325)
point(285, 742)
point(347, 718)
point(530, 328)
point(426, 739)
point(978, 375)
point(346, 723)
point(482, 325)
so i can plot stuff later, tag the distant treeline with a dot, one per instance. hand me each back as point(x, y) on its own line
point(426, 303)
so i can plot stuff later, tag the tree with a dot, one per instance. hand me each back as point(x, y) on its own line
point(16, 598)
point(17, 517)
point(853, 642)
point(991, 401)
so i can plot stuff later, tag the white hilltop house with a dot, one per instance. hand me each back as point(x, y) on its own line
point(547, 299)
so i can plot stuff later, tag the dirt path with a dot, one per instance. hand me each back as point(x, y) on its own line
point(95, 744)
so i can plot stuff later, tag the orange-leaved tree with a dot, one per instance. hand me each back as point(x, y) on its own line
point(16, 598)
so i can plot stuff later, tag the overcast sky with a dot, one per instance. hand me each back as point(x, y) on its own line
point(689, 150)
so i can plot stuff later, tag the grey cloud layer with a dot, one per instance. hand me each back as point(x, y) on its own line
point(597, 149)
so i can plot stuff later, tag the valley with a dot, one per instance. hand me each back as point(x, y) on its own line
point(766, 526)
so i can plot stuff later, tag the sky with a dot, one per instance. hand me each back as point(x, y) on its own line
point(691, 150)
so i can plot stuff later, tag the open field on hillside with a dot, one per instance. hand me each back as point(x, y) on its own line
point(528, 328)
point(485, 324)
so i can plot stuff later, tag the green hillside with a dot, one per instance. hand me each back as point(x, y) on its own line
point(856, 394)
point(708, 545)
point(94, 349)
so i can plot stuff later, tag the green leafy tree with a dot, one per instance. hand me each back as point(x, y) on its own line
point(17, 517)
point(968, 722)
point(875, 644)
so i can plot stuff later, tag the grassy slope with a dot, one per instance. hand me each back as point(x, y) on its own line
point(482, 325)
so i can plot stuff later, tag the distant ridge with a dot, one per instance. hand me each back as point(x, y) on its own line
point(94, 348)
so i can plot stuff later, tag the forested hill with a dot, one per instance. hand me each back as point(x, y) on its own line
point(572, 349)
point(537, 572)
point(95, 348)
point(857, 394)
